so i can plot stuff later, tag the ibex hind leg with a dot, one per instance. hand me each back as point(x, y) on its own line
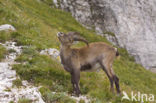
point(116, 79)
point(109, 75)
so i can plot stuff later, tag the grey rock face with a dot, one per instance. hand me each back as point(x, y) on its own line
point(132, 21)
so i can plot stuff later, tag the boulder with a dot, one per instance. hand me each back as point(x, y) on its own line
point(7, 27)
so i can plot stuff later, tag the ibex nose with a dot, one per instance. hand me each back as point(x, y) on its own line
point(58, 34)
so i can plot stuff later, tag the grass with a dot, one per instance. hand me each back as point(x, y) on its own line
point(110, 33)
point(17, 83)
point(81, 101)
point(50, 97)
point(11, 51)
point(3, 52)
point(24, 100)
point(37, 24)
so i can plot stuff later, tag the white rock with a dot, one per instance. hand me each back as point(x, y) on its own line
point(51, 51)
point(7, 27)
point(7, 75)
point(87, 100)
point(56, 3)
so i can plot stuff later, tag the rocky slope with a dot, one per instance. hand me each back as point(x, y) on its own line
point(132, 21)
point(36, 27)
point(8, 90)
point(9, 93)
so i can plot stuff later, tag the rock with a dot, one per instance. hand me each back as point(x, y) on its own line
point(87, 100)
point(54, 53)
point(56, 3)
point(111, 38)
point(7, 76)
point(153, 69)
point(7, 27)
point(132, 21)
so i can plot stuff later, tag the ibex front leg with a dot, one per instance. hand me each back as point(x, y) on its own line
point(75, 77)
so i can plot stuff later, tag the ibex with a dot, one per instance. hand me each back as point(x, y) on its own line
point(94, 55)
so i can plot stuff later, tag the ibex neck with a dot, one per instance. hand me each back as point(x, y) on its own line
point(65, 50)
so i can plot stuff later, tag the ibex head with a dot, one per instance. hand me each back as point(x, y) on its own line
point(68, 39)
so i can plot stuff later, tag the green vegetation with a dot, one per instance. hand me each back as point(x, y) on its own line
point(110, 33)
point(11, 51)
point(37, 25)
point(3, 52)
point(24, 100)
point(17, 83)
point(8, 89)
point(81, 101)
point(50, 97)
point(11, 102)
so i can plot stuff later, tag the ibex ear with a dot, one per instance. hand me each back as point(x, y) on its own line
point(76, 37)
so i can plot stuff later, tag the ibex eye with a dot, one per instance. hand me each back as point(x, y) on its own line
point(61, 34)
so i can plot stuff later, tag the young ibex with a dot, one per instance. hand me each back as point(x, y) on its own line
point(94, 55)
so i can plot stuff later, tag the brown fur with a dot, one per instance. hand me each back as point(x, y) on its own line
point(85, 58)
